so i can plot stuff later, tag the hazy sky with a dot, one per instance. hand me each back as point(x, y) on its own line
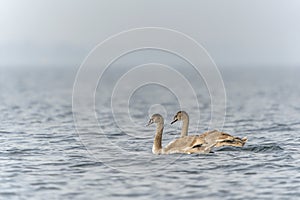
point(235, 32)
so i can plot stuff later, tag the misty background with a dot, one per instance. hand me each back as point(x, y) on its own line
point(235, 33)
point(102, 149)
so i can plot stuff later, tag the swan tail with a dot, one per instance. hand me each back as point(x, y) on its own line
point(235, 141)
point(244, 139)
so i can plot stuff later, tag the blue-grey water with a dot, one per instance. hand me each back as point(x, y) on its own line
point(42, 155)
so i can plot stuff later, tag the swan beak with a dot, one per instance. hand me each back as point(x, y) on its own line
point(150, 122)
point(175, 120)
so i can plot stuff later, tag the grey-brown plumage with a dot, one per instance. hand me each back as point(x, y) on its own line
point(220, 138)
point(186, 144)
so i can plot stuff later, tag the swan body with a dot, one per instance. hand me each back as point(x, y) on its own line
point(220, 138)
point(186, 144)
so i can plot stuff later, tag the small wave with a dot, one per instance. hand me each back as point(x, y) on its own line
point(276, 128)
point(227, 148)
point(7, 194)
point(93, 164)
point(7, 132)
point(48, 188)
point(263, 148)
point(4, 132)
point(17, 151)
point(254, 148)
point(243, 120)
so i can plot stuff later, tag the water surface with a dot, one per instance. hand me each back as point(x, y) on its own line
point(42, 155)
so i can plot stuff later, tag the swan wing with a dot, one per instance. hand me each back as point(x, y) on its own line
point(188, 144)
point(223, 139)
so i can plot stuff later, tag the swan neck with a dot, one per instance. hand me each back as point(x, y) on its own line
point(185, 126)
point(157, 139)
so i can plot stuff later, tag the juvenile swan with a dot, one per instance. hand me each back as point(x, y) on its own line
point(186, 144)
point(221, 138)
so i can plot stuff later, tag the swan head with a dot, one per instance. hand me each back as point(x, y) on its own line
point(180, 115)
point(156, 118)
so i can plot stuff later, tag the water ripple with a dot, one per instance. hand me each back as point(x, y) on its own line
point(42, 155)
